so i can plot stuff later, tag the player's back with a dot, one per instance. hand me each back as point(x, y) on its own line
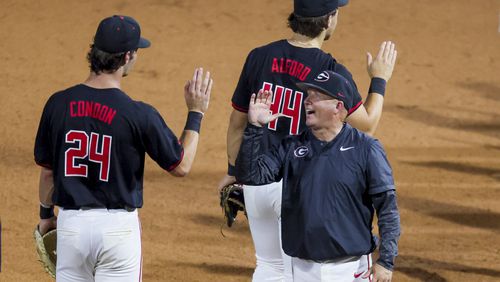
point(95, 142)
point(278, 66)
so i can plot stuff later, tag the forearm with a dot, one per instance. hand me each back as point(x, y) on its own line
point(389, 227)
point(46, 186)
point(367, 116)
point(189, 141)
point(237, 124)
point(374, 104)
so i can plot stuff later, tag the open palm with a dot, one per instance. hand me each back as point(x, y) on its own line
point(259, 113)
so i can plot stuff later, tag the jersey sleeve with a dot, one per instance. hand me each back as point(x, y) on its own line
point(379, 172)
point(43, 141)
point(161, 143)
point(242, 93)
point(357, 100)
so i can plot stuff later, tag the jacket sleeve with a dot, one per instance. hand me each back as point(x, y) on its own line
point(389, 227)
point(254, 167)
point(383, 195)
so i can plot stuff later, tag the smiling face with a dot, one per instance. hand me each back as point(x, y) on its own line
point(321, 109)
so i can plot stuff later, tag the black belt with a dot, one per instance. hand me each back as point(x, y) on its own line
point(127, 208)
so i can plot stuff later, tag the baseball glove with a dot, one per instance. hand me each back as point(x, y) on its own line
point(46, 249)
point(232, 201)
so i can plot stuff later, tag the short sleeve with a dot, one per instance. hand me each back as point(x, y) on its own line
point(161, 143)
point(43, 141)
point(379, 171)
point(243, 91)
point(357, 100)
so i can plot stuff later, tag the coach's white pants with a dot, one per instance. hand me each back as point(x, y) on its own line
point(98, 245)
point(351, 271)
point(263, 206)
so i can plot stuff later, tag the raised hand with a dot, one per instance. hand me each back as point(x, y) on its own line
point(259, 113)
point(197, 91)
point(383, 65)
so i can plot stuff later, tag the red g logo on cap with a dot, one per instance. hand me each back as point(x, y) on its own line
point(322, 77)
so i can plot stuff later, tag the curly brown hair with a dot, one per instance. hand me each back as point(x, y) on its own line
point(309, 26)
point(100, 61)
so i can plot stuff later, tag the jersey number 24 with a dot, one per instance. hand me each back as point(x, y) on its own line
point(87, 148)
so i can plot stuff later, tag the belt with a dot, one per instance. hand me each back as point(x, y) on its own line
point(339, 260)
point(127, 208)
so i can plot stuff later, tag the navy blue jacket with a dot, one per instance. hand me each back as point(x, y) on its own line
point(330, 192)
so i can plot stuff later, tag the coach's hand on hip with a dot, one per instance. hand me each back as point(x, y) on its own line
point(383, 65)
point(259, 113)
point(380, 273)
point(197, 91)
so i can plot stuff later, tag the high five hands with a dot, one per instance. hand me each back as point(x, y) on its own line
point(383, 64)
point(259, 113)
point(197, 91)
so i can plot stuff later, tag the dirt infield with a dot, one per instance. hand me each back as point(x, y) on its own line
point(441, 124)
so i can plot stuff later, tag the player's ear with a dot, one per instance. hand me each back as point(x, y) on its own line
point(340, 105)
point(332, 18)
point(128, 57)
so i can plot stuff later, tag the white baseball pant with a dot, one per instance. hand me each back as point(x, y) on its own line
point(98, 245)
point(263, 206)
point(349, 270)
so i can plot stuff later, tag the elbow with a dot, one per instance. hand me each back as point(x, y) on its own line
point(179, 173)
point(182, 170)
point(368, 128)
point(370, 131)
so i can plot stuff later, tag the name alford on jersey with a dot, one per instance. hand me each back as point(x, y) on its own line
point(290, 67)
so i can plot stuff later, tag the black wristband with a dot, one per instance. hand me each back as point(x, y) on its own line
point(193, 121)
point(46, 213)
point(231, 169)
point(377, 85)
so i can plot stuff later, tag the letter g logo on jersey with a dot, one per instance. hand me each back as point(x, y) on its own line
point(322, 77)
point(301, 151)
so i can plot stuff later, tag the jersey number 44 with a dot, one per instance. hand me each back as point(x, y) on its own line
point(282, 103)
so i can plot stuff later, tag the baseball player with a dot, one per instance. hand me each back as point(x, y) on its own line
point(91, 144)
point(277, 67)
point(334, 178)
